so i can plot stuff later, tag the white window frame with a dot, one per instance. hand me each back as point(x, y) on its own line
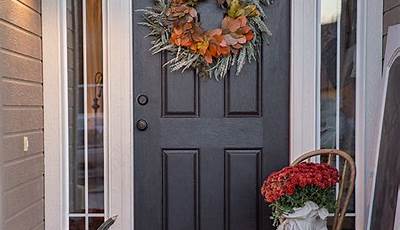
point(304, 80)
point(117, 31)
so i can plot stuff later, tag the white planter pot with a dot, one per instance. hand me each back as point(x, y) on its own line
point(309, 217)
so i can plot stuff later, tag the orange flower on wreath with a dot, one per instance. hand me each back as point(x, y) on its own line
point(217, 46)
point(236, 31)
point(181, 14)
point(181, 35)
point(210, 45)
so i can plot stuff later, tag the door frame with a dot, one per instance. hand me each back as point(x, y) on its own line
point(118, 142)
point(118, 59)
point(304, 79)
point(118, 64)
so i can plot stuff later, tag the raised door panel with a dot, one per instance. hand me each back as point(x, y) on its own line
point(180, 189)
point(243, 93)
point(180, 93)
point(242, 183)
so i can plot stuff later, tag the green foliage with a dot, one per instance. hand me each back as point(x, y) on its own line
point(324, 198)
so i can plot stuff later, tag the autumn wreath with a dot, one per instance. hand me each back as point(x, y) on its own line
point(175, 27)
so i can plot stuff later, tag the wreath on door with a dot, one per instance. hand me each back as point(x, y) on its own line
point(175, 28)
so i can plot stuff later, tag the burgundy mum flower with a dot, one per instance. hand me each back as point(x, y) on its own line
point(287, 180)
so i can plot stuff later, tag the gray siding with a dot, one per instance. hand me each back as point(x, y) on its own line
point(22, 200)
point(391, 16)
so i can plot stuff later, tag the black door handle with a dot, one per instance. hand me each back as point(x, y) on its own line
point(141, 124)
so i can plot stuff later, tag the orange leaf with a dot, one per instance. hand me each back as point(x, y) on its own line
point(249, 36)
point(178, 31)
point(242, 20)
point(224, 50)
point(230, 24)
point(213, 50)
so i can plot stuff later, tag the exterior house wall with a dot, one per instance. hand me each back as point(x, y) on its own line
point(374, 95)
point(22, 109)
point(391, 16)
point(21, 92)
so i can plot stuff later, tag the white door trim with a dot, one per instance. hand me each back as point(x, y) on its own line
point(118, 93)
point(55, 111)
point(303, 77)
point(120, 117)
point(369, 69)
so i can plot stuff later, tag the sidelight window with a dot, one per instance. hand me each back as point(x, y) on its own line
point(86, 165)
point(336, 84)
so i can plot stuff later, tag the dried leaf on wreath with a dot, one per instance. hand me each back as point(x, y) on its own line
point(234, 6)
point(175, 29)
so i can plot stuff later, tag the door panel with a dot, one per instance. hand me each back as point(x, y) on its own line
point(209, 144)
point(180, 94)
point(242, 179)
point(243, 96)
point(180, 188)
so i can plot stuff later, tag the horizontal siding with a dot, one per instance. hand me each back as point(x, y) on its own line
point(22, 113)
point(13, 147)
point(18, 14)
point(22, 120)
point(33, 4)
point(39, 227)
point(28, 219)
point(28, 69)
point(15, 39)
point(23, 196)
point(21, 93)
point(23, 171)
point(391, 16)
point(390, 4)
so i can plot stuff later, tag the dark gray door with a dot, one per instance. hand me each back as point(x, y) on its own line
point(208, 145)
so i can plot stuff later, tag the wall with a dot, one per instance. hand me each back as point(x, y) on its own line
point(374, 84)
point(22, 104)
point(391, 16)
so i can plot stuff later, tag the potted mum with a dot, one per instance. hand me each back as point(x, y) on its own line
point(301, 196)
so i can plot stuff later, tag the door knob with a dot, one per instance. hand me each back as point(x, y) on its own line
point(141, 124)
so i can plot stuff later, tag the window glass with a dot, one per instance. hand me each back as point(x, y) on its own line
point(338, 81)
point(85, 114)
point(76, 108)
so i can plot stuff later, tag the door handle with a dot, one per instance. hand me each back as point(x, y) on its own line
point(141, 124)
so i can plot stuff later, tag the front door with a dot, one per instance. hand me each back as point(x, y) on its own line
point(203, 147)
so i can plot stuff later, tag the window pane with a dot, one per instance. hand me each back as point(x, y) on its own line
point(95, 106)
point(95, 222)
point(85, 108)
point(348, 80)
point(76, 108)
point(338, 81)
point(77, 223)
point(328, 74)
